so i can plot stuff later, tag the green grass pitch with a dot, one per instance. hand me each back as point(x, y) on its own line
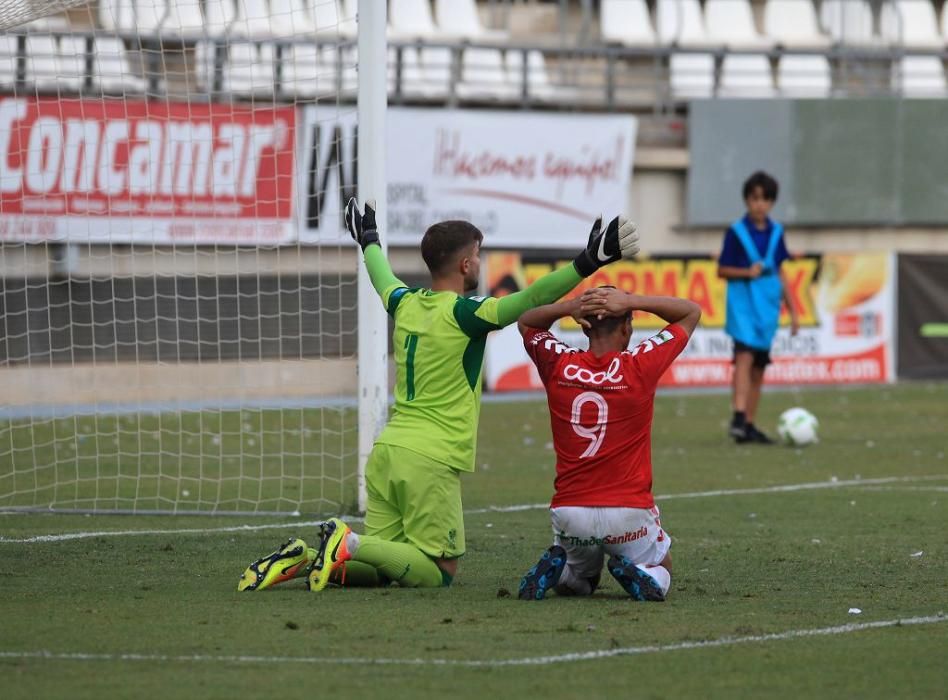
point(157, 615)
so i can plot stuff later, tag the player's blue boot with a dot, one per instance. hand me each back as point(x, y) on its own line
point(544, 575)
point(634, 580)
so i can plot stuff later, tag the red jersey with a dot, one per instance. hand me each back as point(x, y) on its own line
point(601, 414)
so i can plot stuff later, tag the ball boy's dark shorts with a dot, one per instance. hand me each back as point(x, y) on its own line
point(761, 357)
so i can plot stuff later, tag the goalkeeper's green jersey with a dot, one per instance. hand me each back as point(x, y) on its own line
point(439, 341)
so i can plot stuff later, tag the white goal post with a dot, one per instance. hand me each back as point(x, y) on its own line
point(185, 325)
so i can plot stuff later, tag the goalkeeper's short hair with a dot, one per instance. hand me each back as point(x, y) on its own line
point(444, 240)
point(609, 324)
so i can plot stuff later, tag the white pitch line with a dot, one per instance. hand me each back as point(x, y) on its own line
point(923, 489)
point(810, 486)
point(786, 488)
point(65, 537)
point(480, 663)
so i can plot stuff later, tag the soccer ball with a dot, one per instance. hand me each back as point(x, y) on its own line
point(797, 427)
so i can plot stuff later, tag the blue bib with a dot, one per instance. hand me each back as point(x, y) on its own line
point(753, 305)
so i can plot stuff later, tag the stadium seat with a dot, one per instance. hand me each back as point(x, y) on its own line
point(746, 76)
point(626, 22)
point(8, 50)
point(413, 83)
point(253, 19)
point(680, 22)
point(538, 79)
point(436, 68)
point(249, 69)
point(301, 70)
point(793, 23)
point(42, 61)
point(117, 15)
point(692, 75)
point(290, 17)
point(184, 18)
point(72, 62)
point(484, 75)
point(919, 76)
point(112, 71)
point(731, 22)
point(331, 18)
point(848, 21)
point(219, 16)
point(306, 72)
point(459, 18)
point(340, 64)
point(910, 23)
point(149, 15)
point(804, 76)
point(411, 18)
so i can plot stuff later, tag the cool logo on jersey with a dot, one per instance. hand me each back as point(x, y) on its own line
point(587, 376)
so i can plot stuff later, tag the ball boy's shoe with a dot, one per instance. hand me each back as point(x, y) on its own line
point(755, 435)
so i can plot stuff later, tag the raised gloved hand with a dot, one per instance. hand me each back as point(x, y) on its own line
point(619, 240)
point(361, 226)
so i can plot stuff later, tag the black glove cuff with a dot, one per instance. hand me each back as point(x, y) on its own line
point(368, 238)
point(584, 264)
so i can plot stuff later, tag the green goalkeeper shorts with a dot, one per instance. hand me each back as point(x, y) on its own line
point(413, 498)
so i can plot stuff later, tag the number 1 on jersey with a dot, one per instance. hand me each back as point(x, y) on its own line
point(411, 344)
point(597, 433)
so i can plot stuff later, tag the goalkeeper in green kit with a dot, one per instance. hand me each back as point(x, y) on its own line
point(414, 524)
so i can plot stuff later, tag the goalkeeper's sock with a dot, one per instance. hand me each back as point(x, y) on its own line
point(400, 562)
point(356, 574)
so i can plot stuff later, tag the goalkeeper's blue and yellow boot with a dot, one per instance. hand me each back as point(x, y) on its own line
point(289, 561)
point(331, 555)
point(544, 575)
point(634, 580)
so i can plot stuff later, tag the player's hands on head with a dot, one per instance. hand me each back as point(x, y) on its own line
point(619, 240)
point(602, 303)
point(361, 226)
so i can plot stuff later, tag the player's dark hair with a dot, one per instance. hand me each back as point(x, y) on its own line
point(767, 184)
point(444, 240)
point(609, 324)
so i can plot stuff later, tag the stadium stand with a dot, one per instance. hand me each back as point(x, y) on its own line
point(731, 23)
point(219, 15)
point(848, 21)
point(411, 18)
point(909, 23)
point(794, 23)
point(442, 50)
point(484, 75)
point(913, 24)
point(459, 18)
point(681, 22)
point(626, 22)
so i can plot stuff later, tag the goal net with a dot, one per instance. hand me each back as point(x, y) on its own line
point(177, 292)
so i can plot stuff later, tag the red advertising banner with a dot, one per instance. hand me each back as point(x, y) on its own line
point(150, 172)
point(845, 304)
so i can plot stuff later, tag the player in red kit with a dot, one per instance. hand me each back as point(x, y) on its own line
point(601, 403)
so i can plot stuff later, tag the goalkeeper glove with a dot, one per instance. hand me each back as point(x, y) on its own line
point(619, 240)
point(361, 226)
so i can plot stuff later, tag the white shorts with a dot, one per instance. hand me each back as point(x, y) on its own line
point(588, 534)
